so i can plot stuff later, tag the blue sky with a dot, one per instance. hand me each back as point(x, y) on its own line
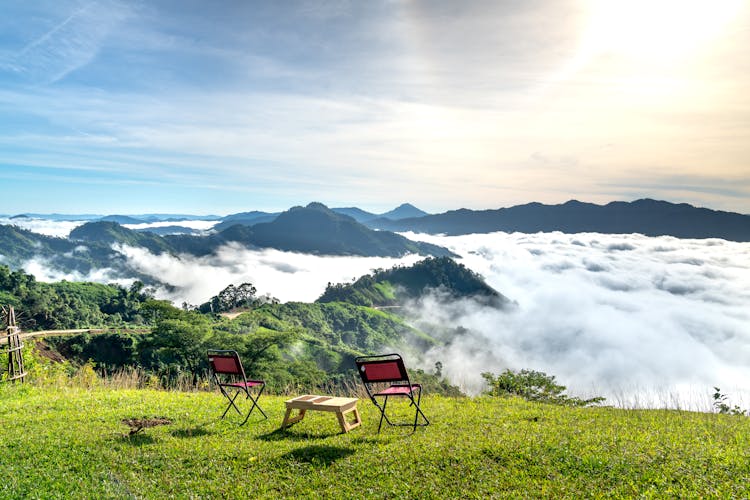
point(220, 107)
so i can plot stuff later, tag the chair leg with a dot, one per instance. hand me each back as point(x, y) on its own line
point(416, 415)
point(382, 414)
point(255, 405)
point(231, 402)
point(419, 407)
point(419, 410)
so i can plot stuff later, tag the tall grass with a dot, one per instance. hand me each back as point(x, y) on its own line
point(43, 371)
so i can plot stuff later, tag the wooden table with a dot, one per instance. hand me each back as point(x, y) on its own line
point(339, 406)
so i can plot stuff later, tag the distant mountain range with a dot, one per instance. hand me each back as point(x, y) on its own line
point(121, 219)
point(648, 217)
point(244, 218)
point(313, 229)
point(316, 229)
point(402, 211)
point(255, 217)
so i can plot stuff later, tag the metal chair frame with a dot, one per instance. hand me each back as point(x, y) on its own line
point(390, 369)
point(228, 373)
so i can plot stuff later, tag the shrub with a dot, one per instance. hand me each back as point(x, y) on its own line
point(533, 386)
point(721, 406)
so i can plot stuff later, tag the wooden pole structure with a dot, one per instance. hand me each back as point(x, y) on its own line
point(16, 370)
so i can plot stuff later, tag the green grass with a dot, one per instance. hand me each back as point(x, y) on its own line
point(70, 443)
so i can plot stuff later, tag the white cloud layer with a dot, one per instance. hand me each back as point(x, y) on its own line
point(44, 271)
point(60, 229)
point(287, 276)
point(200, 225)
point(643, 321)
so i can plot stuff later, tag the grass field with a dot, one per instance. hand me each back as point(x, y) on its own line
point(71, 443)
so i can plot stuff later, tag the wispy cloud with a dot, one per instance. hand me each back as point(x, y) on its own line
point(481, 105)
point(70, 44)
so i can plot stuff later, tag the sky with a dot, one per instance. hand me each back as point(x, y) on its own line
point(221, 107)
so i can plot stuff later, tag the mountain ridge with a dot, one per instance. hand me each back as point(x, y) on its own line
point(646, 216)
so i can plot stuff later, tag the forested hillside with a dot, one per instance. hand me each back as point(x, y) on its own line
point(392, 287)
point(66, 305)
point(307, 344)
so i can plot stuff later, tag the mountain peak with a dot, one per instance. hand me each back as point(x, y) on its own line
point(404, 211)
point(316, 205)
point(318, 229)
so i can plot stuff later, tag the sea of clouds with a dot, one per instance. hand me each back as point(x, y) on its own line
point(56, 228)
point(644, 321)
point(62, 228)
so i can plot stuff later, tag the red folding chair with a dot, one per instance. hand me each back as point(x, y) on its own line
point(228, 374)
point(384, 376)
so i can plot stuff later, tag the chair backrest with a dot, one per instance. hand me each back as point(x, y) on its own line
point(382, 368)
point(225, 363)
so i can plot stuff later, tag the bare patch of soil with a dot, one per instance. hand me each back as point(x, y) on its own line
point(48, 352)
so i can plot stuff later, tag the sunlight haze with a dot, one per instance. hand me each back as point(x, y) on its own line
point(132, 107)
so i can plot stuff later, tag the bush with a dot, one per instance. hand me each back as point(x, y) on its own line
point(721, 406)
point(533, 386)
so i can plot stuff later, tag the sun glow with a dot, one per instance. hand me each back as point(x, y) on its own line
point(656, 30)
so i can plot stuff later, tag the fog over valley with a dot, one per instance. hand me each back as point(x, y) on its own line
point(623, 315)
point(644, 321)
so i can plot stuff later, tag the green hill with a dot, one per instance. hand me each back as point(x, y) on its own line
point(395, 286)
point(67, 305)
point(19, 245)
point(109, 232)
point(70, 442)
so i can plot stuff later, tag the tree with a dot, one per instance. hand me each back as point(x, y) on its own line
point(234, 297)
point(178, 344)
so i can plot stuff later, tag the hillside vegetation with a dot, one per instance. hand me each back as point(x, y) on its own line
point(63, 442)
point(396, 286)
point(65, 304)
point(305, 346)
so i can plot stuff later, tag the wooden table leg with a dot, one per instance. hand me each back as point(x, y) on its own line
point(347, 426)
point(289, 421)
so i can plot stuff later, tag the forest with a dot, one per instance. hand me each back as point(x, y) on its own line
point(293, 345)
